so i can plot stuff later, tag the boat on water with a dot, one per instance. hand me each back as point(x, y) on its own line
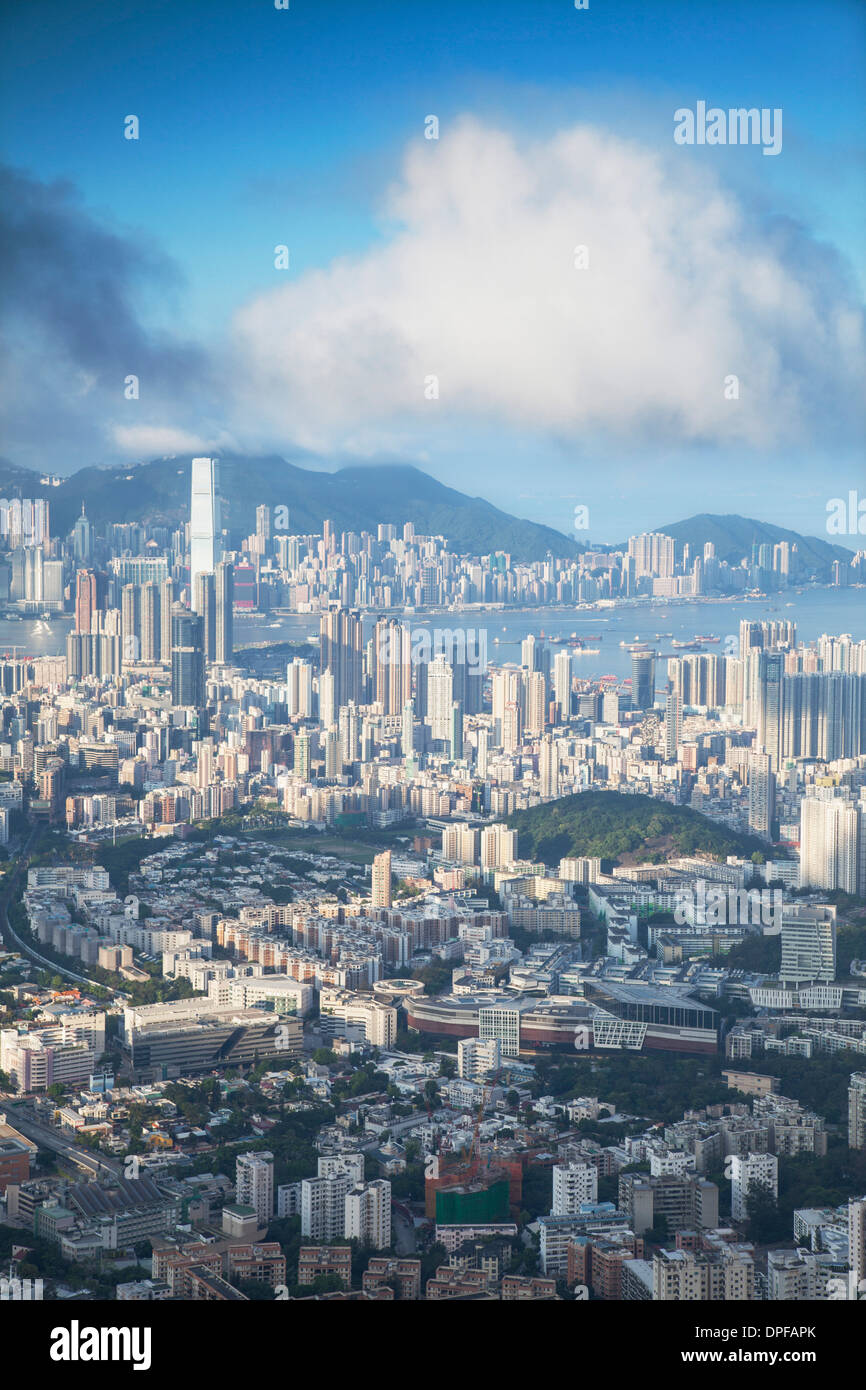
point(685, 646)
point(664, 634)
point(708, 639)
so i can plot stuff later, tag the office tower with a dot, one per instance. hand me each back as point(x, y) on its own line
point(830, 840)
point(82, 539)
point(166, 604)
point(562, 683)
point(673, 723)
point(302, 756)
point(748, 1172)
point(34, 574)
point(808, 943)
point(263, 524)
point(204, 521)
point(254, 1184)
point(381, 879)
point(151, 637)
point(187, 659)
point(130, 621)
point(368, 1214)
point(205, 605)
point(762, 795)
point(857, 1110)
point(86, 603)
point(342, 653)
point(771, 668)
point(573, 1184)
point(548, 769)
point(225, 593)
point(643, 680)
point(440, 697)
point(535, 702)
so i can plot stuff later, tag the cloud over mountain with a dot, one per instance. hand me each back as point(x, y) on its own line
point(475, 283)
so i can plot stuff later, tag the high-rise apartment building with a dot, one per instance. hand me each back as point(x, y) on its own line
point(368, 1213)
point(254, 1183)
point(381, 879)
point(573, 1184)
point(748, 1172)
point(830, 841)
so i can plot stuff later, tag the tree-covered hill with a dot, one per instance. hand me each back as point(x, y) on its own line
point(609, 825)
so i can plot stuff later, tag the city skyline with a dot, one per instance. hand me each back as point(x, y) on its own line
point(440, 274)
point(432, 673)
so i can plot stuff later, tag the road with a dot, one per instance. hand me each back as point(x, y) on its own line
point(49, 1138)
point(11, 936)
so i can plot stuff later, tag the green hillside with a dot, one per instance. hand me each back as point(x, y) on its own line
point(609, 825)
point(353, 499)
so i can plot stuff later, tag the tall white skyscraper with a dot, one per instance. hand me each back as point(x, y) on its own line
point(204, 521)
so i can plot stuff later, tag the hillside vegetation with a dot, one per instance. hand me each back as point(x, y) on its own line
point(634, 829)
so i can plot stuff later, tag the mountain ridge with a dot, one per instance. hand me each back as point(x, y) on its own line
point(354, 498)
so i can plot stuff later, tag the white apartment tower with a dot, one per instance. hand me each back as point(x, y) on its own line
point(573, 1184)
point(368, 1213)
point(254, 1183)
point(747, 1173)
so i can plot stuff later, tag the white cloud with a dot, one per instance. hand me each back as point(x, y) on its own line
point(156, 441)
point(477, 286)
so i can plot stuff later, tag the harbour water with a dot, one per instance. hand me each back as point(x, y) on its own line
point(815, 611)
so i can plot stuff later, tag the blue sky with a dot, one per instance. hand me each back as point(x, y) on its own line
point(261, 127)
